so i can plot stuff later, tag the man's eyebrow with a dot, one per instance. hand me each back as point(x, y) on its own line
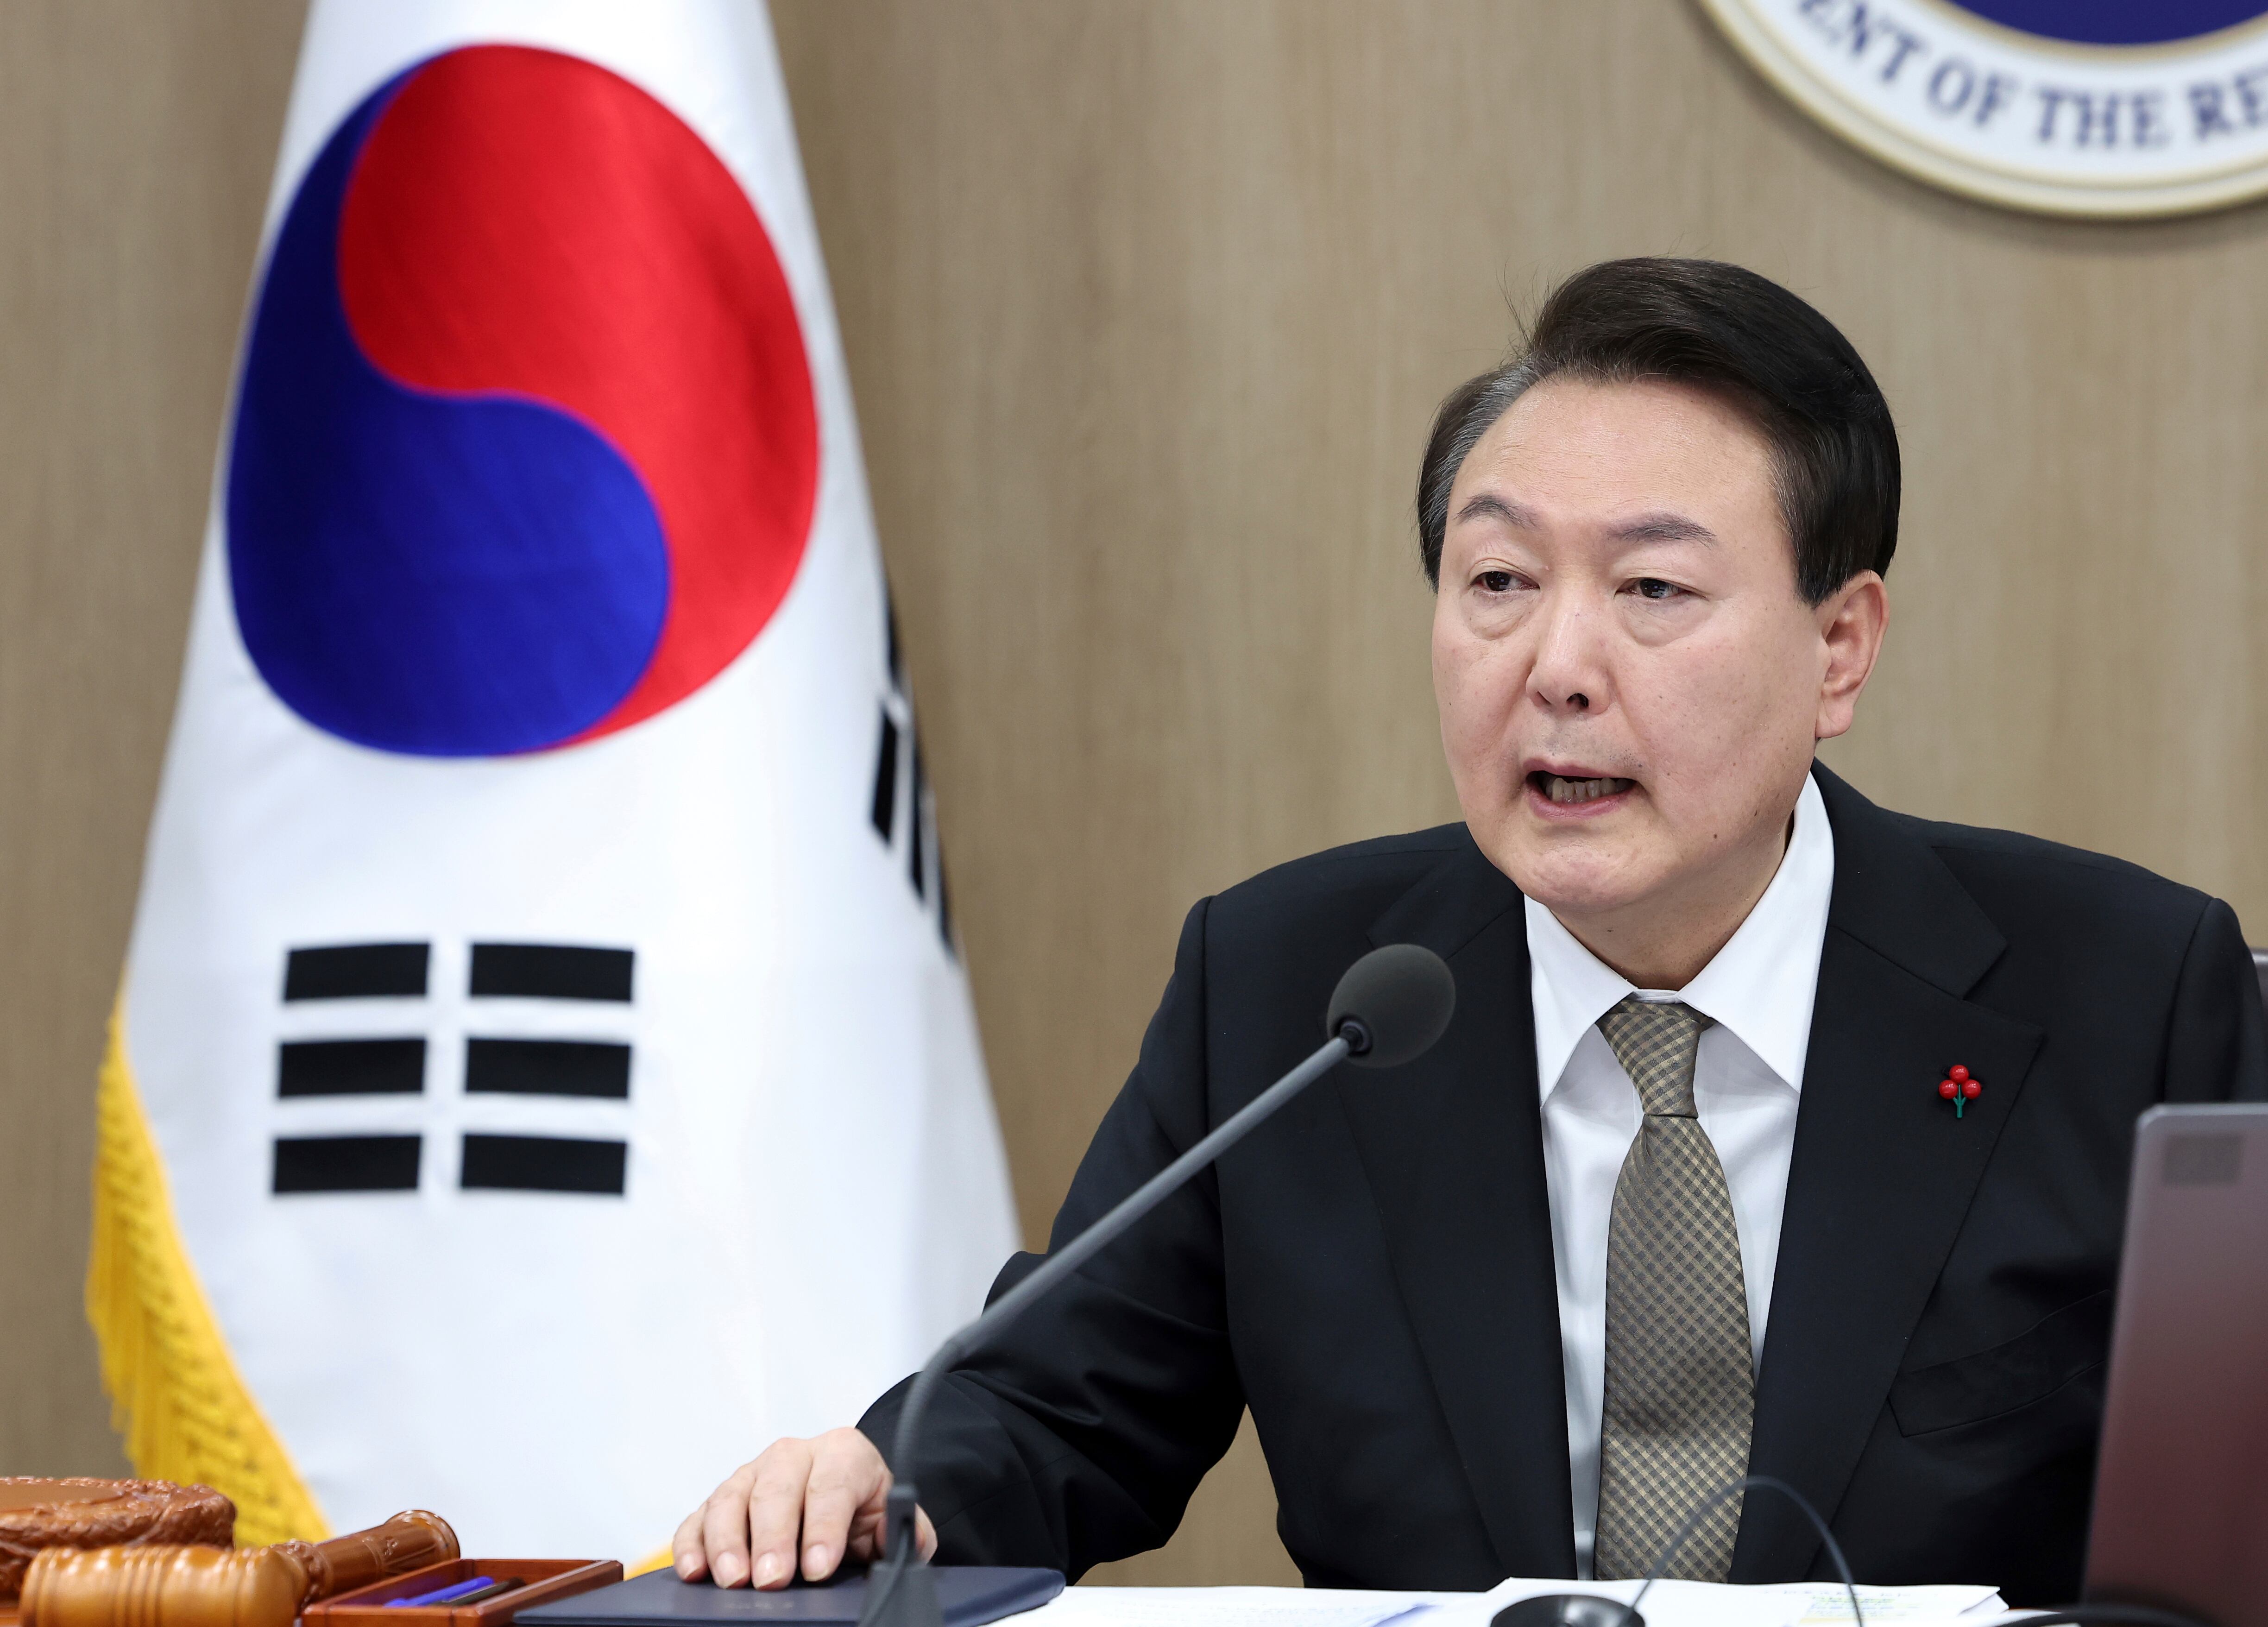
point(1485, 506)
point(1662, 528)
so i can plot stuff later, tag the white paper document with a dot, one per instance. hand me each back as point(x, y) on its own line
point(1230, 1607)
point(1715, 1604)
point(1829, 1602)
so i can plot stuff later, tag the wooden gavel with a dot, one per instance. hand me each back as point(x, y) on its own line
point(177, 1586)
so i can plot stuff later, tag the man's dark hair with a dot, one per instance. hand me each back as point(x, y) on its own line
point(1720, 329)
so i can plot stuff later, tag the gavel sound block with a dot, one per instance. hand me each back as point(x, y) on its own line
point(37, 1515)
point(154, 1586)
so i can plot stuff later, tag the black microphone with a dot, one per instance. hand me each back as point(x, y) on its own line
point(1389, 1009)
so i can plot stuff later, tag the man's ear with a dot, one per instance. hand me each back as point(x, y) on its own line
point(1851, 622)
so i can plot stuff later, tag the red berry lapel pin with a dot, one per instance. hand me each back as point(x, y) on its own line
point(1959, 1089)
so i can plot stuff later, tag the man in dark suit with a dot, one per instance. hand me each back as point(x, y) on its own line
point(1773, 1131)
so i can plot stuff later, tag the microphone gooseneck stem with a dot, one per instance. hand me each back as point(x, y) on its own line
point(1389, 1007)
point(1083, 1248)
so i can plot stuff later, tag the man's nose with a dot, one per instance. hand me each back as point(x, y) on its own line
point(1568, 672)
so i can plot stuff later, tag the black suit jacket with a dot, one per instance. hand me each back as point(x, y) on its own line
point(1370, 1272)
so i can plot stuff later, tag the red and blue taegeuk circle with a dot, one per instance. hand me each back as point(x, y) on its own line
point(525, 448)
point(2116, 22)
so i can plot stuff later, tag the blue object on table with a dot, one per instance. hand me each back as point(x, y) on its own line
point(442, 1595)
point(968, 1594)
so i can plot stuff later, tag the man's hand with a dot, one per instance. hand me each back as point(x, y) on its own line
point(825, 1495)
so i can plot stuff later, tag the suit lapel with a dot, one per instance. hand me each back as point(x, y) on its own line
point(1882, 1172)
point(1453, 1148)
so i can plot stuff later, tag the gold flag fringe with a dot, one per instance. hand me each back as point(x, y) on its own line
point(176, 1397)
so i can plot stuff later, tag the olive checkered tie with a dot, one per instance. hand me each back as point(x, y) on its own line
point(1681, 1386)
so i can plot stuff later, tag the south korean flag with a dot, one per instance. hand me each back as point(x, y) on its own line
point(543, 1072)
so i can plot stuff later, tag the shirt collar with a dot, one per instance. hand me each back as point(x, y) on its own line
point(1761, 985)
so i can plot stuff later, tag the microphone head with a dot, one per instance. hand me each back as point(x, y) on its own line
point(1392, 1004)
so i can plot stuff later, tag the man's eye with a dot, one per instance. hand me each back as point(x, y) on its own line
point(1495, 581)
point(1654, 588)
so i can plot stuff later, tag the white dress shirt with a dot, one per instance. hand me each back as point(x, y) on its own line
point(1746, 1079)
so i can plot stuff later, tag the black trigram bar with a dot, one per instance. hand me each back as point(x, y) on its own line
point(547, 1068)
point(346, 1164)
point(915, 821)
point(543, 1164)
point(552, 971)
point(944, 903)
point(886, 779)
point(355, 971)
point(350, 1068)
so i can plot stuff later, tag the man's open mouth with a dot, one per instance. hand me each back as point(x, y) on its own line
point(1567, 793)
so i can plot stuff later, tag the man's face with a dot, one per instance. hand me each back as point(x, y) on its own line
point(1629, 685)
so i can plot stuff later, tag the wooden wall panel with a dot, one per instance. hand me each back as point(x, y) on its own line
point(1147, 304)
point(136, 142)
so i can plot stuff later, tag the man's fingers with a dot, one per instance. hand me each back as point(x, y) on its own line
point(803, 1502)
point(724, 1533)
point(686, 1549)
point(925, 1535)
point(847, 1481)
point(776, 1513)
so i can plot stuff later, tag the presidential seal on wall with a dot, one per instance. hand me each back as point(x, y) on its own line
point(2104, 107)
